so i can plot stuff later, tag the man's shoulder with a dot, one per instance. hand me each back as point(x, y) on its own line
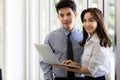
point(78, 29)
point(56, 31)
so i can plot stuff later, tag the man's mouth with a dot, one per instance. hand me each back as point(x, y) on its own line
point(66, 23)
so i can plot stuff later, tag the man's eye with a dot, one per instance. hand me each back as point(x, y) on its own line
point(69, 14)
point(61, 15)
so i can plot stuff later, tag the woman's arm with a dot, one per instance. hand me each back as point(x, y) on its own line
point(81, 70)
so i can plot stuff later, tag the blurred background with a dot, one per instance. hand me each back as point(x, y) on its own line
point(25, 22)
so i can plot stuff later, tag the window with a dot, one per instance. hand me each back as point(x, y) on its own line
point(111, 30)
point(1, 37)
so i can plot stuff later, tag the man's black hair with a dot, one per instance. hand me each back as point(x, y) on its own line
point(66, 3)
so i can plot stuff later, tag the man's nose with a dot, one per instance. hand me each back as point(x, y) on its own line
point(65, 17)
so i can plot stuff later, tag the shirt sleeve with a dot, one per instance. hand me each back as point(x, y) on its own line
point(46, 68)
point(99, 62)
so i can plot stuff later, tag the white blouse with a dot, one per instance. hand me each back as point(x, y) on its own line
point(96, 57)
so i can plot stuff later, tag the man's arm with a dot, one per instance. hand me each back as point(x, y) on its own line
point(46, 68)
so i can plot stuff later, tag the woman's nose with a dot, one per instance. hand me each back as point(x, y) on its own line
point(86, 24)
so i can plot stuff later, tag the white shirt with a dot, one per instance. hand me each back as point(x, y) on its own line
point(96, 57)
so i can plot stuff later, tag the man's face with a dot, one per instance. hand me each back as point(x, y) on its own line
point(67, 18)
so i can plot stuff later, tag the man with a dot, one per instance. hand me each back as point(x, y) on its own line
point(57, 40)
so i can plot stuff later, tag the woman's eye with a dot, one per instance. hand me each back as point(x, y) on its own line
point(84, 20)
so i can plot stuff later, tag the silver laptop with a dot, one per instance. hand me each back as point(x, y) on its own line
point(48, 56)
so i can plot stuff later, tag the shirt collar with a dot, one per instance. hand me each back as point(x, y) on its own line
point(67, 32)
point(94, 38)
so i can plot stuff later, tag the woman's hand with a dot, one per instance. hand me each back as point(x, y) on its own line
point(69, 62)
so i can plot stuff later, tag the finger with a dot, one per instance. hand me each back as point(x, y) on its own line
point(64, 61)
point(68, 62)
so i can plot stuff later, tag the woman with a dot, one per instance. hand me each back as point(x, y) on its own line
point(96, 43)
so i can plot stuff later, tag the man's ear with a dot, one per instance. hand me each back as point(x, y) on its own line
point(58, 17)
point(76, 14)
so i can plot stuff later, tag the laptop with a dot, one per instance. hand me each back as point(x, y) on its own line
point(48, 56)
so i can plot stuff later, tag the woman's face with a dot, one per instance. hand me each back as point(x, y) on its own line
point(89, 23)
